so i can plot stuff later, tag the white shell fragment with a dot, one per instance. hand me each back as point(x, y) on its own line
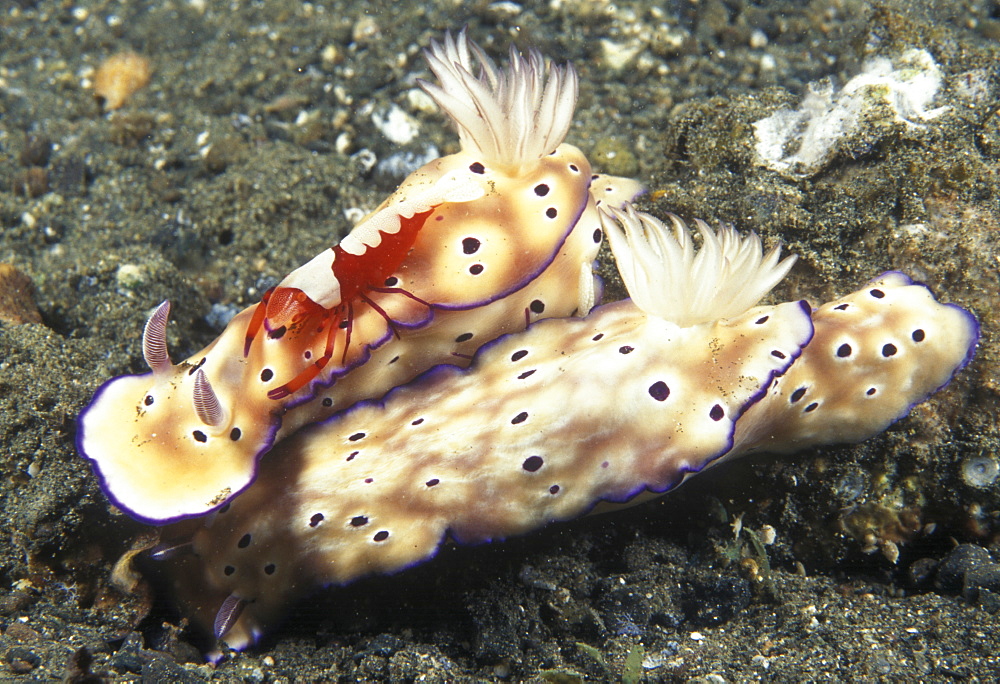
point(799, 143)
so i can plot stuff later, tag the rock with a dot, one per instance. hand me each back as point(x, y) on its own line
point(965, 562)
point(715, 599)
point(921, 572)
point(981, 579)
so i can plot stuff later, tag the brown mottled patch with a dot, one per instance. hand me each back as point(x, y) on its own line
point(17, 304)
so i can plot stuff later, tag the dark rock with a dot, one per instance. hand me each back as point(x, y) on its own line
point(161, 669)
point(981, 578)
point(920, 574)
point(22, 660)
point(714, 600)
point(78, 669)
point(953, 569)
point(502, 623)
point(384, 645)
point(625, 610)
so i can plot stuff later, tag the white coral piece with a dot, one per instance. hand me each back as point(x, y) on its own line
point(510, 116)
point(668, 279)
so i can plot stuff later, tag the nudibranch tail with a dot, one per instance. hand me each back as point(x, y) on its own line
point(877, 352)
point(509, 116)
point(154, 340)
point(667, 278)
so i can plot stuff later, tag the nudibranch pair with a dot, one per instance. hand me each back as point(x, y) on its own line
point(400, 389)
point(572, 413)
point(469, 247)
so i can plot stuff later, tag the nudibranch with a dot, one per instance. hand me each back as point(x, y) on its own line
point(469, 247)
point(571, 414)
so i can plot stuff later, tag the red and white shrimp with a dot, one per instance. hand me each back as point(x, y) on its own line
point(319, 297)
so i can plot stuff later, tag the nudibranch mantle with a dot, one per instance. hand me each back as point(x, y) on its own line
point(503, 233)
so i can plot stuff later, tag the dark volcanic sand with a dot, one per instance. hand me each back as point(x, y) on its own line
point(237, 163)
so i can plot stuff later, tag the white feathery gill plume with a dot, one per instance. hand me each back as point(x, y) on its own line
point(509, 117)
point(667, 279)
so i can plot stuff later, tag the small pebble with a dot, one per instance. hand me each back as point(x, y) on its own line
point(119, 77)
point(419, 101)
point(220, 315)
point(22, 661)
point(130, 276)
point(396, 125)
point(364, 30)
point(921, 572)
point(617, 56)
point(331, 55)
